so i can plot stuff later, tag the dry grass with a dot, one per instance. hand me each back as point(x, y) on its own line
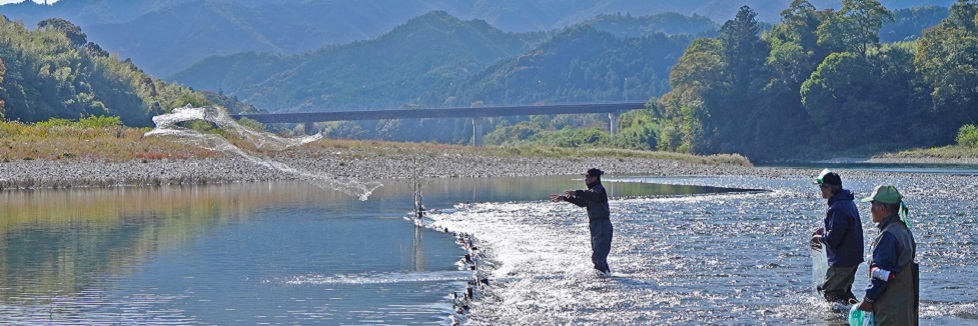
point(385, 148)
point(120, 144)
point(29, 142)
point(946, 152)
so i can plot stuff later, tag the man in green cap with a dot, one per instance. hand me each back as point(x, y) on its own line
point(893, 292)
point(841, 237)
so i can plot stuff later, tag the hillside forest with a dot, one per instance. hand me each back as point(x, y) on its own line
point(821, 82)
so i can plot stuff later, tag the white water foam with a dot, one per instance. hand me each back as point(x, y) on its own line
point(720, 258)
point(381, 278)
point(166, 126)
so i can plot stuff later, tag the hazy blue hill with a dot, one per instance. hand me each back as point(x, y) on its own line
point(389, 71)
point(669, 23)
point(908, 24)
point(84, 12)
point(166, 41)
point(231, 73)
point(166, 36)
point(581, 64)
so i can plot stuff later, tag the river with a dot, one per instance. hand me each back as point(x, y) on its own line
point(687, 250)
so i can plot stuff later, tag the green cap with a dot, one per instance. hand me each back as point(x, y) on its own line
point(885, 194)
point(828, 177)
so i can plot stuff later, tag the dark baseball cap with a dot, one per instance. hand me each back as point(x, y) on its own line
point(829, 178)
point(594, 172)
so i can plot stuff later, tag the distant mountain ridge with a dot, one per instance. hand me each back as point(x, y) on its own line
point(509, 15)
point(388, 71)
point(186, 31)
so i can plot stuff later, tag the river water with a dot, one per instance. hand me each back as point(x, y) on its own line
point(281, 253)
point(687, 250)
point(732, 258)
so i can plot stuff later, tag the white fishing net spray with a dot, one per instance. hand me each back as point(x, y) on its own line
point(166, 126)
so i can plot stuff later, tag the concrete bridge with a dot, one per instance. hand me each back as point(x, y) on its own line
point(478, 114)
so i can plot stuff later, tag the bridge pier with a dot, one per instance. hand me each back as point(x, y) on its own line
point(613, 125)
point(309, 128)
point(477, 123)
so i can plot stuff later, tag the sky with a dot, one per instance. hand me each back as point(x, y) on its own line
point(3, 2)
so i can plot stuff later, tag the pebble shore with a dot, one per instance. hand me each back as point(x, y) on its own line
point(352, 163)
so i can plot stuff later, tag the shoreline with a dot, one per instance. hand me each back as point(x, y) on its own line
point(924, 160)
point(350, 163)
point(380, 161)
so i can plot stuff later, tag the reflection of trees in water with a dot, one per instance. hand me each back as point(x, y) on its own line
point(58, 242)
point(417, 252)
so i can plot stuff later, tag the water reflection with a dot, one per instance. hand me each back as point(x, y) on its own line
point(417, 255)
point(215, 255)
point(59, 241)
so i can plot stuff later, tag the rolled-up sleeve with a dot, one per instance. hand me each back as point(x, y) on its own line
point(884, 257)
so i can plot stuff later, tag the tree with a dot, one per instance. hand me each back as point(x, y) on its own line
point(963, 15)
point(869, 102)
point(868, 17)
point(947, 58)
point(695, 79)
point(743, 49)
point(855, 28)
point(833, 97)
point(72, 31)
point(798, 25)
point(744, 54)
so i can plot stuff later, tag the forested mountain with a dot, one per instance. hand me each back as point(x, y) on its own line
point(578, 65)
point(186, 31)
point(438, 60)
point(53, 72)
point(390, 71)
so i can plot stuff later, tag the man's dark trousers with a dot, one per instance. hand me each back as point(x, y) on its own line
point(601, 232)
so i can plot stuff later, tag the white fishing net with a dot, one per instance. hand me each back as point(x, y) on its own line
point(166, 126)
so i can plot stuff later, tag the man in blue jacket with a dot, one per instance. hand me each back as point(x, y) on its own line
point(842, 238)
point(893, 292)
point(595, 199)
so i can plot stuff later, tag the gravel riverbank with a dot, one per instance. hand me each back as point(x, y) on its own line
point(353, 163)
point(362, 163)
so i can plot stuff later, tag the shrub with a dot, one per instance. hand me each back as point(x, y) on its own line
point(54, 122)
point(968, 136)
point(99, 122)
